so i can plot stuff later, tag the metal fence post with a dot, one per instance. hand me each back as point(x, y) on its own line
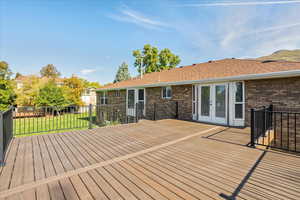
point(176, 115)
point(90, 116)
point(1, 140)
point(154, 112)
point(264, 121)
point(271, 116)
point(252, 142)
point(136, 112)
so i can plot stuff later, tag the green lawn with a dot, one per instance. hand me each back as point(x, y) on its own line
point(51, 124)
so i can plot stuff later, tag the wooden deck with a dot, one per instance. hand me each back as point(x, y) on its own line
point(167, 159)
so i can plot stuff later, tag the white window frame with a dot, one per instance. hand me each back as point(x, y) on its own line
point(103, 98)
point(162, 92)
point(195, 102)
point(240, 102)
point(117, 93)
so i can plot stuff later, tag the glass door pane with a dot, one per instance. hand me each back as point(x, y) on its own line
point(239, 99)
point(141, 96)
point(205, 101)
point(141, 102)
point(131, 97)
point(220, 101)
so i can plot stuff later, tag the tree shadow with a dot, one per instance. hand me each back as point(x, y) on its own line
point(94, 120)
point(245, 179)
point(211, 137)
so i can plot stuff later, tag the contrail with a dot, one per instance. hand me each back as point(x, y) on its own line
point(240, 3)
point(275, 28)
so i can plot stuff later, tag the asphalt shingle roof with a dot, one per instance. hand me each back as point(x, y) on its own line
point(210, 70)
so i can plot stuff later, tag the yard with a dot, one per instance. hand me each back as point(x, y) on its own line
point(24, 126)
point(165, 159)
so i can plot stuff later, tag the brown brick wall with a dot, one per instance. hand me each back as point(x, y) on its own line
point(283, 93)
point(165, 108)
point(115, 109)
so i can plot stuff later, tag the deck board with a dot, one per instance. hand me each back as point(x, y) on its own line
point(214, 165)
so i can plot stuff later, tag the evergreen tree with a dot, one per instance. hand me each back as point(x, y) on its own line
point(122, 73)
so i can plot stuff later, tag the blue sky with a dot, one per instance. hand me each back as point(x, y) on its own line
point(92, 38)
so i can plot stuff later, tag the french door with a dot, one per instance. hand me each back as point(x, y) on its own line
point(220, 103)
point(135, 97)
point(213, 103)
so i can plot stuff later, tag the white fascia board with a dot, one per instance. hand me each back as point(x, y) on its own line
point(281, 74)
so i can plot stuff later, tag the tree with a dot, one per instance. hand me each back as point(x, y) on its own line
point(93, 85)
point(49, 71)
point(73, 89)
point(5, 72)
point(27, 94)
point(7, 95)
point(122, 73)
point(150, 59)
point(167, 60)
point(18, 75)
point(51, 95)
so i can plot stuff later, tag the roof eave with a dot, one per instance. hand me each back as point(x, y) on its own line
point(281, 74)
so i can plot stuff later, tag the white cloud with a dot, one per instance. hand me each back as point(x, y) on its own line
point(135, 17)
point(87, 71)
point(244, 32)
point(261, 33)
point(235, 34)
point(241, 3)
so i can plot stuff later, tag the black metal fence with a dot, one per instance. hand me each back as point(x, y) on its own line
point(6, 131)
point(30, 120)
point(35, 120)
point(276, 129)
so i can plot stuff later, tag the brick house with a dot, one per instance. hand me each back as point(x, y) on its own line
point(218, 92)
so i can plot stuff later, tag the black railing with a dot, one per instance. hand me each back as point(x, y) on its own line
point(275, 129)
point(6, 131)
point(110, 114)
point(45, 119)
point(30, 120)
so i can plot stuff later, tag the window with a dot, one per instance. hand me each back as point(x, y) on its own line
point(103, 98)
point(117, 93)
point(166, 92)
point(239, 101)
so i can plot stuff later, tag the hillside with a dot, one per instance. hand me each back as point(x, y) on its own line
point(288, 55)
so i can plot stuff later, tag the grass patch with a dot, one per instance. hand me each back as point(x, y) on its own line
point(51, 124)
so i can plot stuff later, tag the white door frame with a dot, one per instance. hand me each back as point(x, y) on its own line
point(215, 119)
point(229, 105)
point(232, 120)
point(205, 118)
point(132, 111)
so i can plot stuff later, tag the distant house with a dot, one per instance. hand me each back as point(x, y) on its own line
point(20, 80)
point(218, 92)
point(89, 96)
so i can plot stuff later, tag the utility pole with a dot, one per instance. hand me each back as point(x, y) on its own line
point(141, 68)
